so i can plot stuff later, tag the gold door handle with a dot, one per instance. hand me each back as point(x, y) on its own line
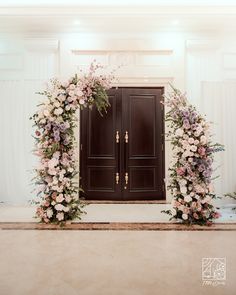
point(126, 137)
point(126, 180)
point(117, 178)
point(117, 137)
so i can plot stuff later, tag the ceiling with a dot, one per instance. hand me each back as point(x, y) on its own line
point(139, 16)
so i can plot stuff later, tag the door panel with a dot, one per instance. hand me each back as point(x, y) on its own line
point(99, 153)
point(133, 168)
point(143, 119)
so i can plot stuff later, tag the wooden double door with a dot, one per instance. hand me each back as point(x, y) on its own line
point(122, 152)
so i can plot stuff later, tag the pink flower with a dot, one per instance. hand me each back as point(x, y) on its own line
point(201, 151)
point(216, 215)
point(195, 215)
point(180, 171)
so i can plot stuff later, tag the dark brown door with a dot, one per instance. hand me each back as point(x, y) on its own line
point(122, 154)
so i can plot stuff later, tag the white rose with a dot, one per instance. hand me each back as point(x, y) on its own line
point(184, 216)
point(187, 199)
point(49, 213)
point(58, 111)
point(46, 113)
point(59, 207)
point(79, 92)
point(191, 140)
point(57, 104)
point(193, 148)
point(52, 163)
point(65, 84)
point(68, 199)
point(60, 216)
point(66, 209)
point(203, 139)
point(67, 107)
point(183, 189)
point(81, 101)
point(43, 121)
point(179, 132)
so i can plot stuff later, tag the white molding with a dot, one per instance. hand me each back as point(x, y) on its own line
point(42, 45)
point(144, 81)
point(195, 45)
point(127, 10)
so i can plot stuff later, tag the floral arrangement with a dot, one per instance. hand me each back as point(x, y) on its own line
point(191, 174)
point(55, 122)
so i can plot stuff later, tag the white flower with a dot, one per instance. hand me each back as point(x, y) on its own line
point(203, 139)
point(66, 209)
point(56, 155)
point(58, 111)
point(43, 121)
point(57, 104)
point(183, 189)
point(184, 216)
point(40, 115)
point(179, 132)
point(60, 216)
point(59, 207)
point(193, 148)
point(71, 93)
point(79, 92)
point(67, 107)
point(61, 97)
point(81, 101)
point(59, 198)
point(46, 113)
point(49, 213)
point(65, 84)
point(68, 199)
point(187, 199)
point(191, 140)
point(52, 163)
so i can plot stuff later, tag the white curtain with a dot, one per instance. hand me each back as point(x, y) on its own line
point(218, 102)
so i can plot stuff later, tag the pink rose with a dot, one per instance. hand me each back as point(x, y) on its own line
point(195, 216)
point(180, 171)
point(201, 151)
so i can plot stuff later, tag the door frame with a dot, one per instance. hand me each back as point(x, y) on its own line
point(162, 142)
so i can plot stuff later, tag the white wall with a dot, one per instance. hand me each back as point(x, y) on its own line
point(24, 69)
point(188, 61)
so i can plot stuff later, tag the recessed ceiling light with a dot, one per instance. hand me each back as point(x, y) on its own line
point(77, 22)
point(175, 22)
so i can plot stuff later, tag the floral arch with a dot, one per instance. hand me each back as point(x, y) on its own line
point(55, 121)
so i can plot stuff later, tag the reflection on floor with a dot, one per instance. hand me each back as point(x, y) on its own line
point(109, 213)
point(113, 262)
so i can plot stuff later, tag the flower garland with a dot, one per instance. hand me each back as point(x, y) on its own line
point(191, 173)
point(55, 142)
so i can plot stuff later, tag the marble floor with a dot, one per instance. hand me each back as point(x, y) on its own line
point(113, 262)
